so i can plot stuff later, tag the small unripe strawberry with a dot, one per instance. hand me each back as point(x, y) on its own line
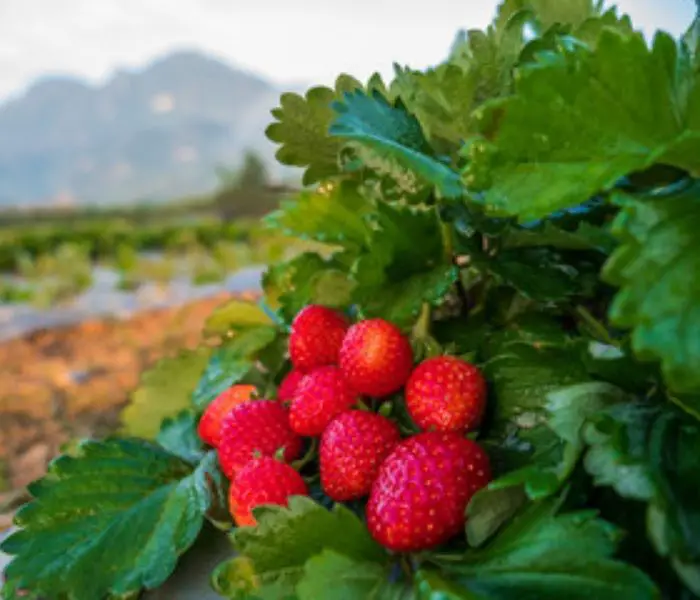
point(353, 447)
point(263, 480)
point(420, 495)
point(446, 393)
point(316, 335)
point(289, 385)
point(321, 396)
point(376, 358)
point(209, 427)
point(260, 427)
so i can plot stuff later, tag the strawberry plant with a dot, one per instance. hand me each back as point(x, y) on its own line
point(482, 381)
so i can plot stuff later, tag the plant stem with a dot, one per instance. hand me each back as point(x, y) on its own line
point(307, 458)
point(596, 326)
point(422, 326)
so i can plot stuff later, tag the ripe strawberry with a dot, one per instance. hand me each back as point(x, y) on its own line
point(209, 427)
point(446, 393)
point(263, 481)
point(353, 447)
point(316, 336)
point(376, 358)
point(288, 386)
point(423, 488)
point(321, 396)
point(261, 426)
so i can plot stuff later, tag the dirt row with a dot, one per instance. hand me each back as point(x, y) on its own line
point(69, 383)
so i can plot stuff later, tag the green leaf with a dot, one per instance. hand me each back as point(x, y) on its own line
point(301, 128)
point(570, 407)
point(617, 441)
point(392, 132)
point(178, 435)
point(541, 555)
point(625, 106)
point(333, 576)
point(655, 268)
point(336, 217)
point(234, 315)
point(87, 541)
point(230, 363)
point(285, 538)
point(304, 280)
point(164, 391)
point(489, 510)
point(585, 237)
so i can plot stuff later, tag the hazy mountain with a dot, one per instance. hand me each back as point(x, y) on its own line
point(151, 134)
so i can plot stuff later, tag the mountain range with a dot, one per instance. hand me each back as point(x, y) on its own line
point(145, 135)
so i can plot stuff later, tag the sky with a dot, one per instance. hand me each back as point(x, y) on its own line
point(308, 41)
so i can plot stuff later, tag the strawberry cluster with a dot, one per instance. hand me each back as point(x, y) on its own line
point(417, 487)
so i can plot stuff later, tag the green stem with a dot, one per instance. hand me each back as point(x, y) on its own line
point(598, 329)
point(422, 326)
point(307, 458)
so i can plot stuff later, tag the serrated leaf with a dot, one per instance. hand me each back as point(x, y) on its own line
point(234, 315)
point(489, 509)
point(304, 280)
point(392, 132)
point(285, 538)
point(583, 118)
point(164, 391)
point(126, 534)
point(570, 407)
point(539, 555)
point(617, 441)
point(178, 435)
point(655, 268)
point(230, 363)
point(585, 237)
point(333, 576)
point(301, 128)
point(336, 217)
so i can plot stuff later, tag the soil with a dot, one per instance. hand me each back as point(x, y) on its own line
point(71, 383)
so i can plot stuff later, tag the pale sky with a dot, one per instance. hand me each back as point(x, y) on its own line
point(285, 40)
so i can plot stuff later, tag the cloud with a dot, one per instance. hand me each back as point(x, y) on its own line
point(310, 40)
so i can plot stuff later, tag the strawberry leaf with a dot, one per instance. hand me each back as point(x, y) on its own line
point(391, 131)
point(178, 435)
point(539, 555)
point(123, 535)
point(655, 268)
point(274, 553)
point(235, 315)
point(334, 576)
point(163, 392)
point(301, 128)
point(627, 108)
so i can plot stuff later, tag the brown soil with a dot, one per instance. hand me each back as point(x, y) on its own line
point(68, 383)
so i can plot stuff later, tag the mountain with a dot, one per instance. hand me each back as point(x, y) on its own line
point(151, 134)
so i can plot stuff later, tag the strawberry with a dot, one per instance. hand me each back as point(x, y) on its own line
point(288, 386)
point(376, 357)
point(321, 396)
point(446, 393)
point(209, 427)
point(316, 335)
point(422, 490)
point(259, 427)
point(262, 481)
point(353, 447)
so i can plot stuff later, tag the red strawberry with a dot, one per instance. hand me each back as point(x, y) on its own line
point(288, 386)
point(263, 481)
point(316, 336)
point(423, 488)
point(209, 427)
point(261, 426)
point(376, 358)
point(446, 393)
point(321, 396)
point(353, 447)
